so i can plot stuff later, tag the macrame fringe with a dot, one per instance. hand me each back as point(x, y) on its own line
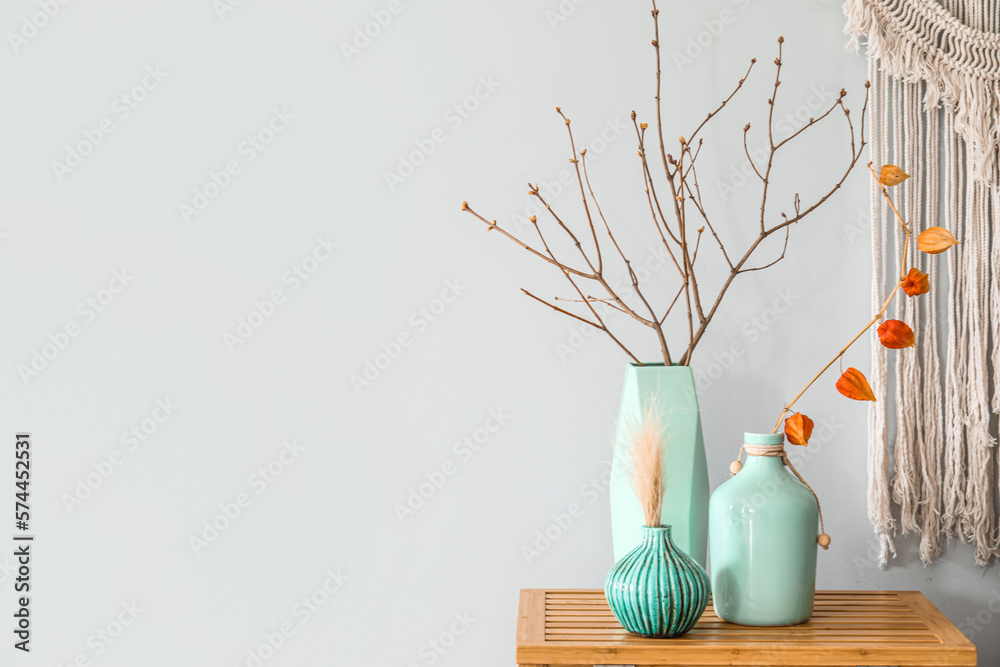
point(935, 75)
point(920, 40)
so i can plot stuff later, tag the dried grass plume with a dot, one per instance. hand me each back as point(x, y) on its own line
point(648, 444)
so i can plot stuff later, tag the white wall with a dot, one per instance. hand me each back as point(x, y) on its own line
point(491, 351)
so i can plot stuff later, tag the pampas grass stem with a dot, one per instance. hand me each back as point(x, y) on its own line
point(648, 444)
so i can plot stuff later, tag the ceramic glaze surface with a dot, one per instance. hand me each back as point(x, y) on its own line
point(657, 590)
point(685, 502)
point(763, 529)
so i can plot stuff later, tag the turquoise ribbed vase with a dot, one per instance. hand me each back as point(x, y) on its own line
point(657, 590)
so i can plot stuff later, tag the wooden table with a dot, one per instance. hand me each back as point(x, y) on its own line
point(848, 628)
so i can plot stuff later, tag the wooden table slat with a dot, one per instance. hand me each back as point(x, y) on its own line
point(571, 628)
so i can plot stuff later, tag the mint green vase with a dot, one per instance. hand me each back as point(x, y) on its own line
point(763, 526)
point(685, 502)
point(657, 590)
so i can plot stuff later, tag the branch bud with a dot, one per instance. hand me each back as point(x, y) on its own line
point(633, 114)
point(643, 126)
point(655, 43)
point(681, 139)
point(781, 39)
point(533, 219)
point(465, 206)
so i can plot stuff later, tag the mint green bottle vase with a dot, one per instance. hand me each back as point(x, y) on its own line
point(657, 590)
point(763, 525)
point(685, 502)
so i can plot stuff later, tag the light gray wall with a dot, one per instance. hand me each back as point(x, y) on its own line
point(488, 352)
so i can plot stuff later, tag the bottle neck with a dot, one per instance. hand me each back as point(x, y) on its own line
point(657, 534)
point(765, 457)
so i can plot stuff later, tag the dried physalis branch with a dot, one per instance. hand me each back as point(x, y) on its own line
point(893, 334)
point(916, 283)
point(854, 385)
point(935, 240)
point(896, 334)
point(892, 175)
point(798, 429)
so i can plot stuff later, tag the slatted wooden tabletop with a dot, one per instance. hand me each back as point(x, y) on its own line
point(573, 628)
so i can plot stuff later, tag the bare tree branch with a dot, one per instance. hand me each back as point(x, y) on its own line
point(656, 324)
point(583, 194)
point(681, 177)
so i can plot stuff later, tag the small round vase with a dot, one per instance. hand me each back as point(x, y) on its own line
point(657, 590)
point(763, 525)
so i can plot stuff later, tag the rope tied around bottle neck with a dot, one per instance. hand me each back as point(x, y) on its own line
point(778, 451)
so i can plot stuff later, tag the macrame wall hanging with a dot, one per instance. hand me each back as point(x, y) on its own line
point(934, 68)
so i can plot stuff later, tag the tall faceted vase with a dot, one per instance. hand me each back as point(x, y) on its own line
point(685, 502)
point(657, 590)
point(764, 525)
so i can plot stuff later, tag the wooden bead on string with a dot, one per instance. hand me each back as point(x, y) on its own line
point(824, 541)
